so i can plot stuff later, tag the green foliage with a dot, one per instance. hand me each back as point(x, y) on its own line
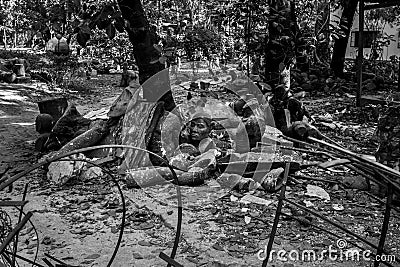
point(117, 49)
point(31, 57)
point(377, 20)
point(104, 16)
point(242, 22)
point(201, 40)
point(389, 15)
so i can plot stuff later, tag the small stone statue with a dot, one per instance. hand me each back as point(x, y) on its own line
point(197, 133)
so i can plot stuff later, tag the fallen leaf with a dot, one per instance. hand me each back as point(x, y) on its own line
point(137, 256)
point(92, 256)
point(47, 240)
point(218, 247)
point(144, 243)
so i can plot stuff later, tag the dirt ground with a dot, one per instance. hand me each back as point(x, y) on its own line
point(79, 222)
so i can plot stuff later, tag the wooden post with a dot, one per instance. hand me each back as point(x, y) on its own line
point(360, 51)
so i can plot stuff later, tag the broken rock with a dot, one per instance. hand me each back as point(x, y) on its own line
point(316, 191)
point(247, 199)
point(61, 172)
point(92, 172)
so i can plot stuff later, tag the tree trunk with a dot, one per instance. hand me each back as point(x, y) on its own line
point(279, 50)
point(322, 29)
point(339, 49)
point(5, 38)
point(143, 39)
point(15, 34)
point(302, 59)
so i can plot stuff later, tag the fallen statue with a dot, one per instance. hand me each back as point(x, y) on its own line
point(203, 140)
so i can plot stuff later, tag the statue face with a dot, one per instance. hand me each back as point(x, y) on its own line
point(198, 129)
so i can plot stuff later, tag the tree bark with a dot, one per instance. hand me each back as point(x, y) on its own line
point(5, 38)
point(143, 39)
point(279, 50)
point(340, 46)
point(302, 60)
point(322, 28)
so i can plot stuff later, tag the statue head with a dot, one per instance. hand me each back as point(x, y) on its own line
point(199, 128)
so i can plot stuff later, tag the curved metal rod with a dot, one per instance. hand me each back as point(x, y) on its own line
point(362, 160)
point(36, 233)
point(81, 150)
point(121, 232)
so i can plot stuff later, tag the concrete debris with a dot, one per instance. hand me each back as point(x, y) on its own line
point(60, 172)
point(91, 173)
point(316, 191)
point(247, 199)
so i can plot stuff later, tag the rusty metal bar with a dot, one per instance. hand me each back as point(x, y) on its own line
point(19, 220)
point(365, 175)
point(383, 202)
point(15, 232)
point(334, 224)
point(277, 214)
point(170, 261)
point(385, 225)
point(13, 203)
point(122, 225)
point(304, 150)
point(18, 176)
point(48, 262)
point(178, 228)
point(362, 160)
point(326, 152)
point(61, 263)
point(24, 259)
